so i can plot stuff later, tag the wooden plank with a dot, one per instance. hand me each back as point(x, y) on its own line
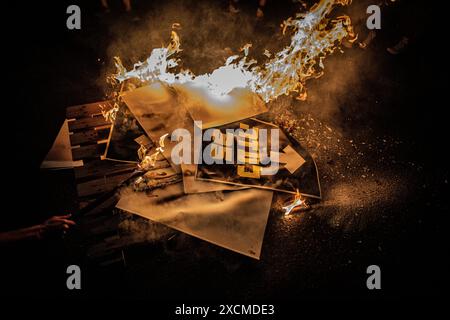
point(143, 140)
point(94, 221)
point(107, 246)
point(110, 247)
point(98, 168)
point(87, 110)
point(112, 260)
point(89, 151)
point(108, 225)
point(91, 135)
point(84, 203)
point(108, 258)
point(100, 209)
point(101, 185)
point(87, 123)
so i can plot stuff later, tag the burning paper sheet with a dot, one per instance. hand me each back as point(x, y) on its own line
point(215, 110)
point(156, 109)
point(234, 220)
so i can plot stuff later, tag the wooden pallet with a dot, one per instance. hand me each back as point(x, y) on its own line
point(89, 132)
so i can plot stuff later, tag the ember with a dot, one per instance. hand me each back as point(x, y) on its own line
point(297, 204)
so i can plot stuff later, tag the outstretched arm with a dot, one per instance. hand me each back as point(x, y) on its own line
point(54, 224)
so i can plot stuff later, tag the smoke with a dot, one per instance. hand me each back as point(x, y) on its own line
point(209, 34)
point(362, 169)
point(139, 230)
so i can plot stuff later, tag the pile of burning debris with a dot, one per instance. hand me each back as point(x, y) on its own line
point(208, 159)
point(204, 167)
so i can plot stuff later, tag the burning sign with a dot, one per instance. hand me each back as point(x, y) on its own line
point(287, 167)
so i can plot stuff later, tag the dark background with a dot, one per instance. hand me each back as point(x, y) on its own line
point(49, 68)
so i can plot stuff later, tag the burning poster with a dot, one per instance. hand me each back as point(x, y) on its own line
point(156, 109)
point(285, 167)
point(235, 220)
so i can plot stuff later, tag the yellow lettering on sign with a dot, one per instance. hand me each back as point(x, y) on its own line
point(250, 157)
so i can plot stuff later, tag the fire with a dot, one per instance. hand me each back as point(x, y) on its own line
point(110, 113)
point(314, 37)
point(297, 204)
point(149, 161)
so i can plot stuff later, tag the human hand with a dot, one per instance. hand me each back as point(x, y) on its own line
point(56, 224)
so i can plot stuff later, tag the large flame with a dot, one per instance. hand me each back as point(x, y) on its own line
point(314, 37)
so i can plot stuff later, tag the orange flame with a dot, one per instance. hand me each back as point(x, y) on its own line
point(314, 37)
